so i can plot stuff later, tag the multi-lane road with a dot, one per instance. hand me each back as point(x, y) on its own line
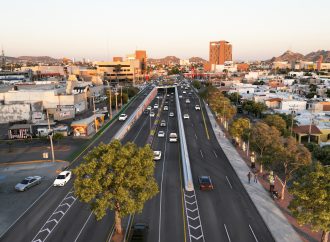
point(224, 214)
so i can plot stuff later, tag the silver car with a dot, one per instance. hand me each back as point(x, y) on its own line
point(27, 183)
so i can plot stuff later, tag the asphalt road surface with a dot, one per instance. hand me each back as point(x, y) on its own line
point(58, 215)
point(226, 213)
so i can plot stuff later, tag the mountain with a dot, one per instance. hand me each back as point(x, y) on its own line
point(34, 59)
point(197, 60)
point(164, 61)
point(290, 56)
point(315, 56)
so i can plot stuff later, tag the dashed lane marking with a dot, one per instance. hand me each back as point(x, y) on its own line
point(253, 233)
point(229, 182)
point(224, 225)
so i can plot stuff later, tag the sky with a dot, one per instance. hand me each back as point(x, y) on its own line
point(100, 29)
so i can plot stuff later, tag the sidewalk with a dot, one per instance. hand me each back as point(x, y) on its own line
point(276, 222)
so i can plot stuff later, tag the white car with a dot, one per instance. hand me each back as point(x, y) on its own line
point(173, 137)
point(156, 106)
point(171, 114)
point(62, 178)
point(152, 114)
point(157, 155)
point(161, 133)
point(186, 116)
point(149, 108)
point(163, 123)
point(184, 92)
point(180, 96)
point(122, 117)
point(197, 107)
point(187, 101)
point(165, 108)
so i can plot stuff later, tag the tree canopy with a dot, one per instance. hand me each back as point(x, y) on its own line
point(116, 177)
point(278, 122)
point(239, 127)
point(311, 198)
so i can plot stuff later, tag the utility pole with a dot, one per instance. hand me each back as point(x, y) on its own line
point(116, 101)
point(310, 130)
point(110, 109)
point(121, 96)
point(293, 111)
point(94, 114)
point(50, 135)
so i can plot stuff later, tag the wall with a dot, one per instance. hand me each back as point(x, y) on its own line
point(14, 112)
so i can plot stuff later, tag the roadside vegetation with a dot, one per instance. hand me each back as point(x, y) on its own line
point(116, 177)
point(269, 136)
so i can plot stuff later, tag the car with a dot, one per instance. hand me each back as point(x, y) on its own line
point(139, 232)
point(122, 117)
point(157, 155)
point(173, 137)
point(165, 108)
point(152, 114)
point(171, 114)
point(163, 123)
point(180, 96)
point(156, 106)
point(167, 95)
point(146, 111)
point(27, 183)
point(184, 92)
point(186, 116)
point(197, 107)
point(187, 101)
point(145, 94)
point(161, 134)
point(205, 183)
point(62, 178)
point(149, 108)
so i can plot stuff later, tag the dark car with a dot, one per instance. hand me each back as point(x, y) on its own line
point(139, 232)
point(146, 111)
point(205, 183)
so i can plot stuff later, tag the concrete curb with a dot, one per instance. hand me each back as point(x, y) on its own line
point(274, 219)
point(27, 162)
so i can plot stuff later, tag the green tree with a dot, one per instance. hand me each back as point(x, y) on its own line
point(116, 177)
point(278, 122)
point(289, 158)
point(264, 141)
point(197, 84)
point(239, 127)
point(248, 106)
point(57, 137)
point(321, 154)
point(235, 97)
point(311, 198)
point(258, 108)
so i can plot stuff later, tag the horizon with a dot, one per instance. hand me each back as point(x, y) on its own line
point(103, 29)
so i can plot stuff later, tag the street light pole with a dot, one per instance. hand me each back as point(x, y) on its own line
point(121, 96)
point(116, 102)
point(310, 130)
point(94, 114)
point(50, 138)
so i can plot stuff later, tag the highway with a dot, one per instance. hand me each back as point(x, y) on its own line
point(58, 215)
point(226, 213)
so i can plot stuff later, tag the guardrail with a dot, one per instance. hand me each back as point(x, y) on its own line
point(137, 113)
point(189, 185)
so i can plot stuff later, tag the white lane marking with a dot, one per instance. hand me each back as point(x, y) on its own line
point(142, 126)
point(195, 136)
point(227, 232)
point(83, 227)
point(127, 227)
point(253, 233)
point(229, 182)
point(201, 153)
point(47, 225)
point(161, 185)
point(215, 154)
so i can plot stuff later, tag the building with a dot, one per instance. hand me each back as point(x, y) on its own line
point(220, 52)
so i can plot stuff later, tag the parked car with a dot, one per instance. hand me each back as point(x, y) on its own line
point(197, 107)
point(173, 137)
point(27, 183)
point(157, 155)
point(62, 178)
point(205, 183)
point(122, 117)
point(186, 116)
point(162, 123)
point(139, 233)
point(161, 133)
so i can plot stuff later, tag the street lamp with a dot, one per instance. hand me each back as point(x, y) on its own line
point(50, 134)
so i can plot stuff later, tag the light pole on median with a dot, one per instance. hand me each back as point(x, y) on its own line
point(50, 134)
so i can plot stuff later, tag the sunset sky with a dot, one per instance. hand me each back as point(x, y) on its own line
point(100, 29)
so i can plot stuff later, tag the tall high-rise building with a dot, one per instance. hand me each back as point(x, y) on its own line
point(141, 55)
point(220, 52)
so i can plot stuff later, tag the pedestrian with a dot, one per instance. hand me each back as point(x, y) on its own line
point(249, 175)
point(255, 177)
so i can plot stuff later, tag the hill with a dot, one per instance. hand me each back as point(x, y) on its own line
point(290, 56)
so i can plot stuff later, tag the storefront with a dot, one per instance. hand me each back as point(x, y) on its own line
point(86, 127)
point(20, 131)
